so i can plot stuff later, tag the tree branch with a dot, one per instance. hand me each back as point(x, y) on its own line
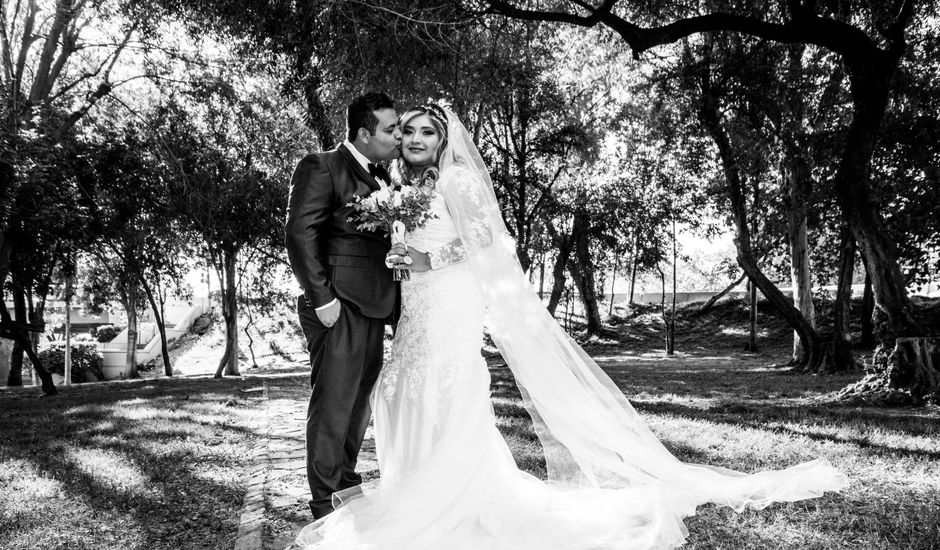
point(895, 32)
point(506, 8)
point(103, 89)
point(25, 44)
point(41, 85)
point(848, 41)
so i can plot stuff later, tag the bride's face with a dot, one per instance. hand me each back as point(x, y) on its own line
point(420, 141)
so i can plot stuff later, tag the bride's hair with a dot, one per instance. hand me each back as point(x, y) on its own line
point(439, 119)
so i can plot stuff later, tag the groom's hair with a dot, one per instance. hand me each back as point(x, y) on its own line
point(360, 113)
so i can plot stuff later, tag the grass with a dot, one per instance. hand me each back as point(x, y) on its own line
point(701, 414)
point(714, 404)
point(162, 463)
point(143, 464)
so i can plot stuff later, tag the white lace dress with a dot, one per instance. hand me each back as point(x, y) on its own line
point(448, 480)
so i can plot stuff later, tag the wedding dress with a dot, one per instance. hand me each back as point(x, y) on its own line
point(448, 480)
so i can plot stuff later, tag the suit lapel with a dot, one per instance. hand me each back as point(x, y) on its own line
point(357, 168)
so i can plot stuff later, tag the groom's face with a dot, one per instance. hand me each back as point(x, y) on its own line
point(385, 143)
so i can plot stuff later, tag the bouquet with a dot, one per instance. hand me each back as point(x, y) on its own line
point(397, 211)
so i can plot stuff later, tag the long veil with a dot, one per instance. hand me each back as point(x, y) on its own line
point(591, 435)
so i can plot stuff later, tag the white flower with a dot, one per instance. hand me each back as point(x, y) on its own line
point(369, 203)
point(381, 196)
point(397, 197)
point(406, 190)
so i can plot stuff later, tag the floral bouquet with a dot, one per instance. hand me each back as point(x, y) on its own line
point(397, 210)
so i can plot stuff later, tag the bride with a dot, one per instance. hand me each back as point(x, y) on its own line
point(448, 480)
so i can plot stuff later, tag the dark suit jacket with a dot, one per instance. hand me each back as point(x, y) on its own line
point(330, 258)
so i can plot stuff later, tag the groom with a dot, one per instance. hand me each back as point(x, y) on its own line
point(348, 291)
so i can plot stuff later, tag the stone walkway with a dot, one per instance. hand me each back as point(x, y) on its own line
point(275, 506)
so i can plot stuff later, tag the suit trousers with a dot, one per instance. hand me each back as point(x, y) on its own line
point(345, 361)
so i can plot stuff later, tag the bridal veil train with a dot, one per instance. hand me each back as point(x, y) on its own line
point(448, 480)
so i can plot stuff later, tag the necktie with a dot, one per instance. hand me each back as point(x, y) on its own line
point(378, 172)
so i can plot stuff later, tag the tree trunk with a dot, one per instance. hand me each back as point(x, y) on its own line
point(798, 181)
point(563, 244)
point(130, 307)
point(613, 283)
point(68, 331)
point(917, 366)
point(15, 377)
point(316, 117)
point(662, 307)
point(19, 333)
point(868, 309)
point(48, 386)
point(159, 317)
point(751, 345)
point(248, 325)
point(870, 87)
point(542, 278)
point(909, 374)
point(582, 271)
point(710, 117)
point(839, 353)
point(558, 283)
point(636, 260)
point(714, 299)
point(36, 319)
point(671, 345)
point(229, 362)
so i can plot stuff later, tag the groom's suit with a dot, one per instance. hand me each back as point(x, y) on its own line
point(331, 259)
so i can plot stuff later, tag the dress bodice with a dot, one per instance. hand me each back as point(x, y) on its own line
point(437, 231)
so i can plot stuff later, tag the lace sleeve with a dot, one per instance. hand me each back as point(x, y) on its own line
point(448, 254)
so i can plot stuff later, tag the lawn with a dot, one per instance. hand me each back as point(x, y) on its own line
point(723, 412)
point(162, 463)
point(142, 464)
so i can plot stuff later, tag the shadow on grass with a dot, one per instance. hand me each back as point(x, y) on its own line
point(887, 452)
point(163, 476)
point(772, 418)
point(763, 399)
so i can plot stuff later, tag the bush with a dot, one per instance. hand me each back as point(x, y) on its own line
point(202, 324)
point(106, 333)
point(85, 359)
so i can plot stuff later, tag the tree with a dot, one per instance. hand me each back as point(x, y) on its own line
point(51, 79)
point(870, 41)
point(232, 146)
point(141, 250)
point(711, 118)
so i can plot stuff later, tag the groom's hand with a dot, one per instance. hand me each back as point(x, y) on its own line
point(420, 261)
point(409, 258)
point(397, 256)
point(330, 314)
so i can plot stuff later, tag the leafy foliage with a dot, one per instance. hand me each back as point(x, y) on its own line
point(85, 360)
point(105, 333)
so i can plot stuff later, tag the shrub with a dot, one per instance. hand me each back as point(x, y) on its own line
point(106, 333)
point(85, 359)
point(202, 324)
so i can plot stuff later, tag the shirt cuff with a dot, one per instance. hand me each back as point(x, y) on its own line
point(321, 308)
